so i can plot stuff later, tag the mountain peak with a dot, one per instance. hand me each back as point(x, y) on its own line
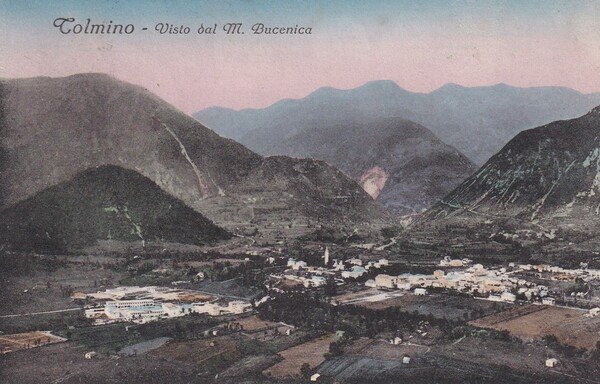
point(450, 86)
point(77, 77)
point(381, 86)
point(88, 120)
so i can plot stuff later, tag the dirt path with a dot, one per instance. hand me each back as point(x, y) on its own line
point(41, 313)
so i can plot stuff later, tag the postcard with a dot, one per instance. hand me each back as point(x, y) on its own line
point(257, 191)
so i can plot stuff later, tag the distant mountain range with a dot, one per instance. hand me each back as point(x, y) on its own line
point(477, 121)
point(549, 176)
point(401, 163)
point(55, 129)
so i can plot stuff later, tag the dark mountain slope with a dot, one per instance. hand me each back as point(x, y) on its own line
point(548, 175)
point(104, 203)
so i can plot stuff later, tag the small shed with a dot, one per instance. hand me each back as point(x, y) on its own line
point(552, 362)
point(549, 301)
point(315, 377)
point(406, 360)
point(91, 355)
point(78, 296)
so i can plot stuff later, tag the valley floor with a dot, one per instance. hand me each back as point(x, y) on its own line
point(349, 333)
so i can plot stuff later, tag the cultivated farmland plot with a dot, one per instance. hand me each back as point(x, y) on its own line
point(570, 325)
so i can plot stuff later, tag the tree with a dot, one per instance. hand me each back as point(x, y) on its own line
point(305, 370)
point(335, 348)
point(330, 287)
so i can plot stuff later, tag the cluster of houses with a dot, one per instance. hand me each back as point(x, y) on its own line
point(299, 272)
point(497, 284)
point(493, 284)
point(144, 304)
point(558, 273)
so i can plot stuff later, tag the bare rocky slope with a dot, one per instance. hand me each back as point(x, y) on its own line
point(52, 129)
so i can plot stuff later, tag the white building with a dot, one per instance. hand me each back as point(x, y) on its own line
point(509, 297)
point(338, 265)
point(354, 272)
point(385, 281)
point(313, 281)
point(91, 313)
point(551, 362)
point(238, 306)
point(403, 286)
point(420, 291)
point(549, 301)
point(120, 304)
point(296, 264)
point(172, 310)
point(326, 256)
point(448, 262)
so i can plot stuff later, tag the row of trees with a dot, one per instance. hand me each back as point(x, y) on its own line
point(312, 310)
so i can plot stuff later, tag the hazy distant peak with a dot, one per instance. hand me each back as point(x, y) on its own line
point(215, 109)
point(450, 87)
point(381, 84)
point(477, 121)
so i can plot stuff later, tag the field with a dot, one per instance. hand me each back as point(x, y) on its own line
point(14, 342)
point(569, 325)
point(363, 369)
point(43, 289)
point(520, 357)
point(470, 359)
point(65, 363)
point(253, 324)
point(263, 330)
point(437, 305)
point(367, 296)
point(384, 350)
point(250, 365)
point(210, 355)
point(311, 352)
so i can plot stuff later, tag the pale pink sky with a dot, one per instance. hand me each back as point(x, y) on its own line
point(254, 71)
